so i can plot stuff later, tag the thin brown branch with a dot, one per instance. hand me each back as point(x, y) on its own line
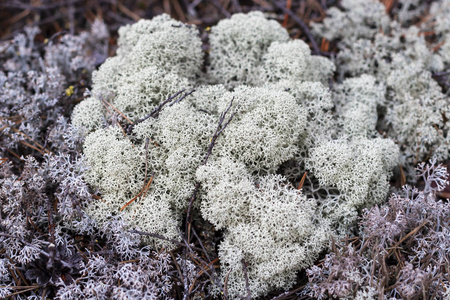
point(177, 266)
point(41, 6)
point(289, 293)
point(128, 12)
point(30, 221)
point(221, 8)
point(286, 16)
point(201, 245)
point(203, 263)
point(188, 214)
point(220, 127)
point(30, 139)
point(182, 97)
point(147, 140)
point(32, 147)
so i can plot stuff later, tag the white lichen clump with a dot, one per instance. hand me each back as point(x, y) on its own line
point(145, 161)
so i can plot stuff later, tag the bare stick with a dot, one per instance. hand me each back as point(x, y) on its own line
point(211, 266)
point(194, 257)
point(221, 8)
point(146, 186)
point(182, 97)
point(220, 127)
point(225, 284)
point(185, 273)
point(440, 74)
point(302, 182)
point(156, 111)
point(286, 294)
point(188, 214)
point(201, 245)
point(219, 130)
point(186, 239)
point(177, 266)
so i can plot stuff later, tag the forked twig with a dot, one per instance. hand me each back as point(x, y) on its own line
point(219, 130)
point(182, 97)
point(158, 109)
point(220, 127)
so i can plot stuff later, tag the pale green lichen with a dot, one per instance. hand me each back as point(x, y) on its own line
point(357, 100)
point(238, 45)
point(162, 42)
point(359, 168)
point(264, 133)
point(140, 93)
point(271, 226)
point(89, 114)
point(293, 61)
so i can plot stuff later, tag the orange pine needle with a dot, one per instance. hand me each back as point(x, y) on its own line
point(97, 197)
point(412, 232)
point(286, 16)
point(131, 201)
point(300, 185)
point(402, 177)
point(118, 111)
point(438, 46)
point(147, 186)
point(30, 139)
point(128, 12)
point(427, 33)
point(325, 45)
point(15, 154)
point(389, 4)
